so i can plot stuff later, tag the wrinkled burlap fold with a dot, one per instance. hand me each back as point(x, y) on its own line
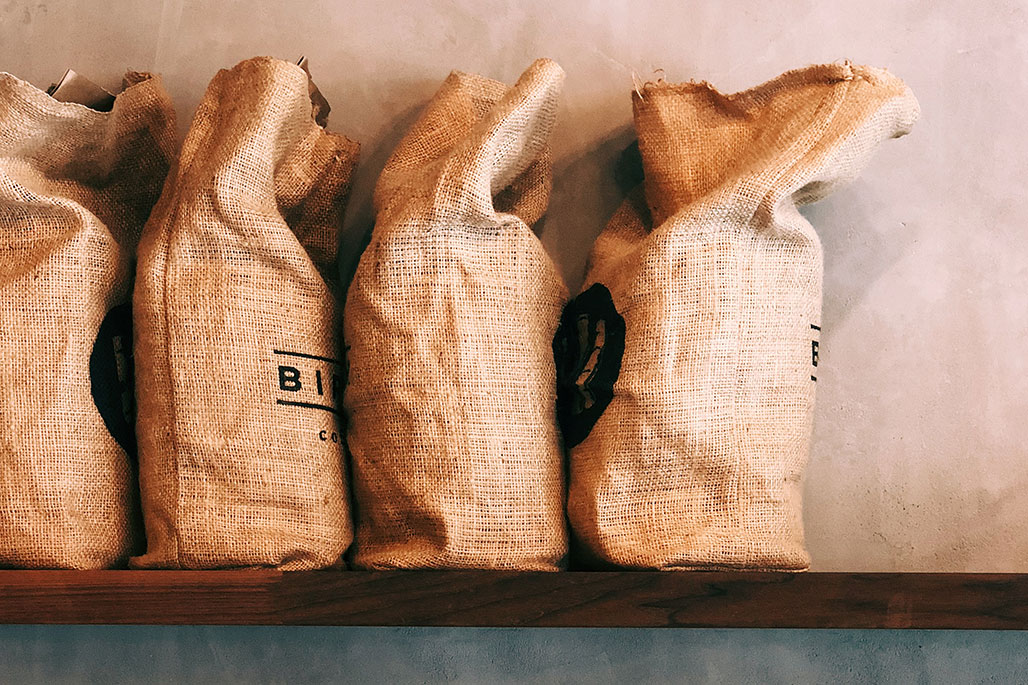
point(76, 187)
point(699, 323)
point(449, 323)
point(237, 317)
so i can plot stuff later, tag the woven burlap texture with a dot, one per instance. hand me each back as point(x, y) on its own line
point(76, 187)
point(449, 323)
point(698, 460)
point(242, 464)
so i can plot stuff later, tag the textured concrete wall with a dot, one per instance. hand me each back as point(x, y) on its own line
point(918, 458)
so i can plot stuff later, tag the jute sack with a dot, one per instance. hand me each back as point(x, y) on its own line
point(693, 348)
point(449, 324)
point(239, 379)
point(76, 187)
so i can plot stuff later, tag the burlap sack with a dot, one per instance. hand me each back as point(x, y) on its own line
point(694, 344)
point(237, 356)
point(449, 323)
point(76, 186)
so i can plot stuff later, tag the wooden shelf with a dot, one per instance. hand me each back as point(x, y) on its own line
point(484, 598)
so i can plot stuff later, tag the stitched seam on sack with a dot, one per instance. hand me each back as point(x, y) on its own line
point(172, 413)
point(180, 183)
point(786, 173)
point(736, 447)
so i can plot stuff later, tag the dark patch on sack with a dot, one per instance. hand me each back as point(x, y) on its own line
point(111, 377)
point(588, 349)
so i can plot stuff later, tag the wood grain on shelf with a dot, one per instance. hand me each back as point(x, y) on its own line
point(158, 597)
point(483, 598)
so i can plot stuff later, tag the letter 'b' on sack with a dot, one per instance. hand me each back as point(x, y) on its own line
point(693, 349)
point(237, 313)
point(450, 322)
point(76, 187)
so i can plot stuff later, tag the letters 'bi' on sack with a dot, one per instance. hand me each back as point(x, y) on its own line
point(76, 187)
point(238, 361)
point(449, 323)
point(693, 347)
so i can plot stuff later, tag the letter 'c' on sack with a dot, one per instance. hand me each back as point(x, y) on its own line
point(690, 358)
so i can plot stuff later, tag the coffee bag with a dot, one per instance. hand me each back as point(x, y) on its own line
point(76, 187)
point(691, 355)
point(449, 323)
point(237, 349)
